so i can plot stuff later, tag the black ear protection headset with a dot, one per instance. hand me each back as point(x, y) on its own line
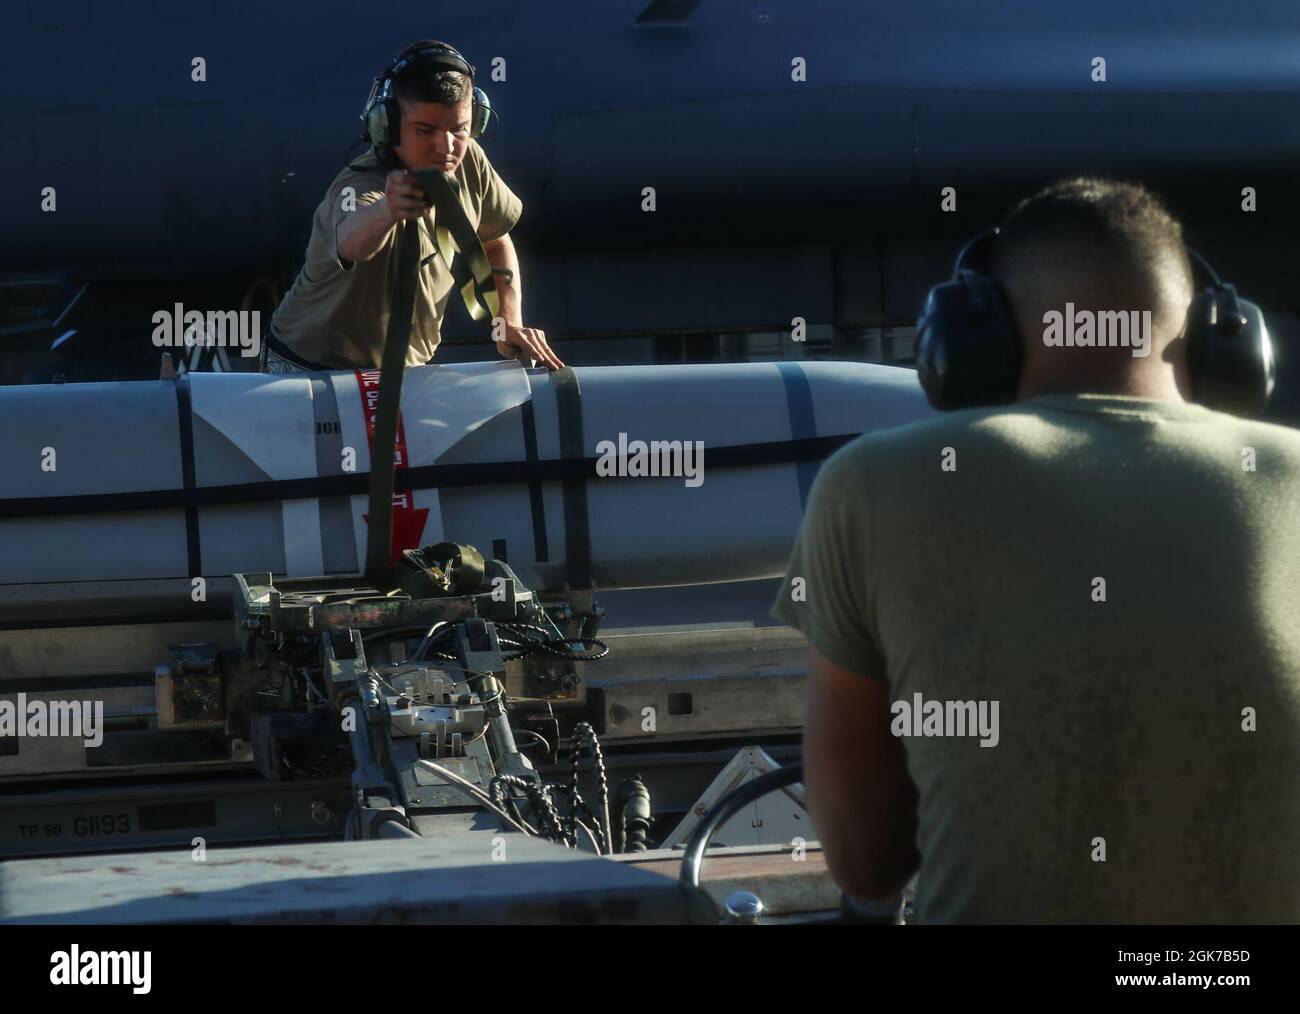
point(381, 119)
point(968, 350)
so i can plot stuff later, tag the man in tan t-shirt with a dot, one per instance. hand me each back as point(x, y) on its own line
point(336, 314)
point(1056, 659)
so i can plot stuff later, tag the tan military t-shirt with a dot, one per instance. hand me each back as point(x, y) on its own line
point(336, 313)
point(1147, 763)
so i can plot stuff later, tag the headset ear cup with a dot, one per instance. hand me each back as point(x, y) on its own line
point(967, 350)
point(382, 123)
point(933, 329)
point(1229, 353)
point(481, 114)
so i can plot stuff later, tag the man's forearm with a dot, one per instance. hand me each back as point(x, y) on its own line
point(501, 254)
point(363, 233)
point(868, 862)
point(860, 796)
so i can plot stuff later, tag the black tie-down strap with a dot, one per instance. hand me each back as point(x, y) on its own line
point(577, 531)
point(379, 544)
point(472, 273)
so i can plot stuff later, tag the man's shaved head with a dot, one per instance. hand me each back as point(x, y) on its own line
point(1102, 246)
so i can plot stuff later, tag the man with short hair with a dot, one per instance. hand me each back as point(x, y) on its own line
point(1056, 656)
point(336, 314)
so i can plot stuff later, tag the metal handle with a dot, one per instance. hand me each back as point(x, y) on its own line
point(728, 807)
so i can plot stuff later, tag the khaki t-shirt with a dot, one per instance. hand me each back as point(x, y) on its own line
point(336, 313)
point(1122, 719)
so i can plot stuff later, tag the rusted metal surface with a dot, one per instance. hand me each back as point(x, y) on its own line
point(189, 690)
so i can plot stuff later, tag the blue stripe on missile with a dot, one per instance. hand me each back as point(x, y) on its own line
point(803, 423)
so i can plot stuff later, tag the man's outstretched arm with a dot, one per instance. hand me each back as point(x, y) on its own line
point(365, 231)
point(860, 797)
point(529, 341)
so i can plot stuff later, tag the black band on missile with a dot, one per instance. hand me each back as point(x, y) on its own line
point(541, 550)
point(803, 424)
point(487, 473)
point(184, 409)
point(577, 529)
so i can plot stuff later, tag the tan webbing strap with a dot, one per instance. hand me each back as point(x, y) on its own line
point(453, 235)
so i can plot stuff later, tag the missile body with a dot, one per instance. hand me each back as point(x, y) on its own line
point(634, 476)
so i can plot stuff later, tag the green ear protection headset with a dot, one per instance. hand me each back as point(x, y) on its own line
point(381, 119)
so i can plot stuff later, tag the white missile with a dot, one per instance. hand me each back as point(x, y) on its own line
point(634, 476)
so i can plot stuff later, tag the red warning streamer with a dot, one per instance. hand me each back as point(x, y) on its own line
point(408, 520)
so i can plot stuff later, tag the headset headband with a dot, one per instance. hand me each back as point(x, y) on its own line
point(975, 254)
point(438, 54)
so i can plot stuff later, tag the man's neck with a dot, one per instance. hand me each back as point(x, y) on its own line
point(1159, 385)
